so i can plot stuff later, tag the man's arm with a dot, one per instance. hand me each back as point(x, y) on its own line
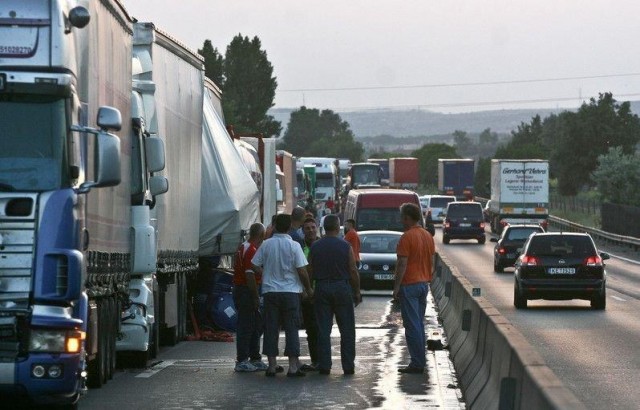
point(257, 269)
point(354, 279)
point(304, 278)
point(401, 268)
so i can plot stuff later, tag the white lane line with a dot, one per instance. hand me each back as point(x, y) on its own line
point(155, 369)
point(624, 259)
point(618, 298)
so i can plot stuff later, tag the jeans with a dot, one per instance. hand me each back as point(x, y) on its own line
point(311, 326)
point(250, 325)
point(413, 304)
point(281, 308)
point(335, 298)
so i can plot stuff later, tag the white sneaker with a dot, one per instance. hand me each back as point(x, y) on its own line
point(245, 366)
point(259, 365)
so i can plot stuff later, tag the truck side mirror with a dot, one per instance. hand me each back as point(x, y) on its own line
point(154, 152)
point(296, 192)
point(107, 162)
point(158, 185)
point(109, 118)
point(279, 195)
point(79, 17)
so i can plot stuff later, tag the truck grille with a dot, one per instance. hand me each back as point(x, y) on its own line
point(17, 236)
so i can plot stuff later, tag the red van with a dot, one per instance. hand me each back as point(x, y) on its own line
point(378, 209)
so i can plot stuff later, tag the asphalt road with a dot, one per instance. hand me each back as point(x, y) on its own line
point(199, 375)
point(595, 353)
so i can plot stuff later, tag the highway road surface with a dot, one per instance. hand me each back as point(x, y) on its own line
point(595, 353)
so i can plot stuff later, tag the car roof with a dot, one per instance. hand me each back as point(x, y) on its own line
point(560, 234)
point(379, 232)
point(524, 226)
point(464, 203)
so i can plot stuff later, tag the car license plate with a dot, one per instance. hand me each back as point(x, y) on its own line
point(561, 271)
point(383, 276)
point(465, 225)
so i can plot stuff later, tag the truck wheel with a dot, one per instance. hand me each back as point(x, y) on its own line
point(154, 346)
point(519, 301)
point(599, 302)
point(96, 367)
point(139, 360)
point(110, 335)
point(493, 224)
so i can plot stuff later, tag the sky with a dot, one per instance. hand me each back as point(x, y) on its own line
point(381, 44)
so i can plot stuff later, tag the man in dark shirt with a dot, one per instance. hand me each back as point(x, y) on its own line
point(297, 219)
point(334, 271)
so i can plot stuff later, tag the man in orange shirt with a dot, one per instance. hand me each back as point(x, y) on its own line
point(351, 236)
point(414, 270)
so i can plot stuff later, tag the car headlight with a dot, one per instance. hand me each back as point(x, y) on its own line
point(47, 341)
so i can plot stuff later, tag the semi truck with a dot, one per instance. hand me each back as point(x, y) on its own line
point(519, 193)
point(456, 177)
point(403, 173)
point(384, 166)
point(327, 178)
point(364, 174)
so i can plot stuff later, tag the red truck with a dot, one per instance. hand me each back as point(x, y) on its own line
point(403, 173)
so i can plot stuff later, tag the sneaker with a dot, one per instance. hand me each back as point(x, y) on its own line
point(313, 367)
point(259, 365)
point(245, 366)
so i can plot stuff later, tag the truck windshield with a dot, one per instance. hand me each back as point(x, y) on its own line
point(324, 180)
point(374, 219)
point(366, 175)
point(32, 136)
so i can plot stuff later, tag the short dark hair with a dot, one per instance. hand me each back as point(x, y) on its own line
point(351, 221)
point(331, 223)
point(283, 223)
point(256, 229)
point(309, 220)
point(411, 210)
point(298, 214)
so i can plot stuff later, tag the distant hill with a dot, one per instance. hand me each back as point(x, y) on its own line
point(405, 123)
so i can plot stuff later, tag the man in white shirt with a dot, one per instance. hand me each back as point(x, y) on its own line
point(282, 264)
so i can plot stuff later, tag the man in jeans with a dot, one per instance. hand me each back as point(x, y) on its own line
point(282, 264)
point(310, 230)
point(246, 296)
point(337, 284)
point(414, 270)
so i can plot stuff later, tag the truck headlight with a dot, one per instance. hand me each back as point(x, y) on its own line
point(47, 341)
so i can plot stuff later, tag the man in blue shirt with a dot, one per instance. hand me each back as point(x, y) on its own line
point(297, 219)
point(332, 265)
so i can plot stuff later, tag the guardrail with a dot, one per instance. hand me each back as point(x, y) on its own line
point(604, 236)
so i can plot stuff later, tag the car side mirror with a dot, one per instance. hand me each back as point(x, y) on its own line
point(605, 256)
point(493, 240)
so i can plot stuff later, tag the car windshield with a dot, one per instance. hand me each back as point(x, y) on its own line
point(520, 234)
point(564, 246)
point(440, 202)
point(324, 180)
point(32, 142)
point(378, 243)
point(370, 219)
point(466, 210)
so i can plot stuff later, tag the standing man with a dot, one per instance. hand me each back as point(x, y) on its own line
point(246, 296)
point(351, 236)
point(297, 219)
point(414, 270)
point(327, 212)
point(330, 204)
point(310, 230)
point(333, 267)
point(282, 264)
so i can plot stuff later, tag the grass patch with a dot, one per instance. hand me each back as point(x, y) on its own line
point(582, 218)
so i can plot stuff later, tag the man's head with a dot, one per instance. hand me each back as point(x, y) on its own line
point(256, 232)
point(297, 217)
point(283, 223)
point(310, 229)
point(349, 224)
point(332, 225)
point(327, 211)
point(410, 215)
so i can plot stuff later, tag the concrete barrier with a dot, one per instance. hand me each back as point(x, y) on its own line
point(497, 367)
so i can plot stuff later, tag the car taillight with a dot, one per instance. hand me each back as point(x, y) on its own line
point(502, 251)
point(530, 260)
point(544, 224)
point(429, 213)
point(593, 261)
point(482, 225)
point(447, 224)
point(504, 223)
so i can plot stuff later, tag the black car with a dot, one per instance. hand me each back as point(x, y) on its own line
point(560, 266)
point(378, 258)
point(463, 220)
point(510, 243)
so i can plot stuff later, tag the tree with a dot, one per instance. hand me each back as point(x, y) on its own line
point(213, 63)
point(312, 132)
point(428, 156)
point(249, 87)
point(462, 142)
point(618, 177)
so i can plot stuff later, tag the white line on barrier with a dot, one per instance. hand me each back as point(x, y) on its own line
point(625, 259)
point(155, 369)
point(618, 298)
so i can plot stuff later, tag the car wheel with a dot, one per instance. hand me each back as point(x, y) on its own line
point(482, 240)
point(497, 267)
point(519, 301)
point(446, 240)
point(599, 302)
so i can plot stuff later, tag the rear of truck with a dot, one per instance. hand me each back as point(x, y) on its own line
point(456, 177)
point(403, 173)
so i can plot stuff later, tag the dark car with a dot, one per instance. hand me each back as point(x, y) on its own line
point(463, 220)
point(560, 266)
point(378, 258)
point(510, 243)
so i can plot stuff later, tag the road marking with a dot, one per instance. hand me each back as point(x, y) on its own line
point(624, 259)
point(155, 369)
point(618, 298)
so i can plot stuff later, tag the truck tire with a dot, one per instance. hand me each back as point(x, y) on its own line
point(154, 346)
point(96, 367)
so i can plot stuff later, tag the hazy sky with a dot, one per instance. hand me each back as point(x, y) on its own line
point(384, 43)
